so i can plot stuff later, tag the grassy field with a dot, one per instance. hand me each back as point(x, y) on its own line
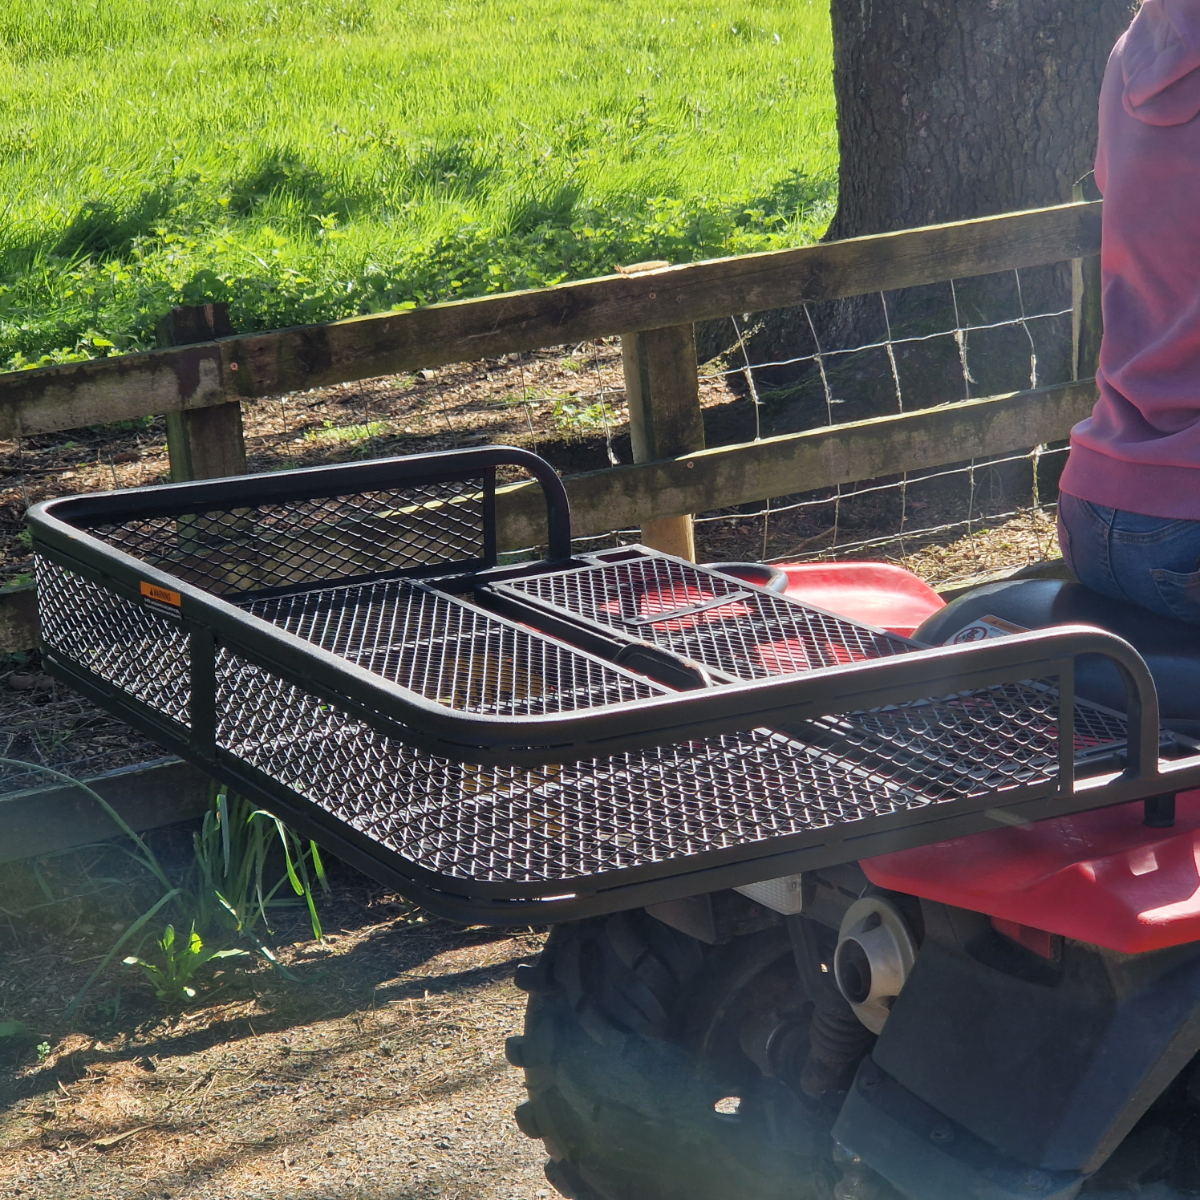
point(312, 159)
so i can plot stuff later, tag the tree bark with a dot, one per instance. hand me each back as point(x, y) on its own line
point(950, 109)
point(947, 110)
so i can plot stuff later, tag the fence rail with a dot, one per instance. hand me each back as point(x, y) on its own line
point(724, 476)
point(200, 379)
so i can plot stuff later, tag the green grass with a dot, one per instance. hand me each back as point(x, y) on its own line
point(332, 434)
point(313, 159)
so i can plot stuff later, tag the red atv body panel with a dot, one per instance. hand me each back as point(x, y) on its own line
point(879, 594)
point(1101, 877)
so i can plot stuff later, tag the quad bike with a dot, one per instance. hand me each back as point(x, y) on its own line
point(850, 898)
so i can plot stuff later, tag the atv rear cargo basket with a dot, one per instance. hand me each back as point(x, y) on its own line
point(543, 740)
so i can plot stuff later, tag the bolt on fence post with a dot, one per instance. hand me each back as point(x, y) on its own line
point(203, 443)
point(1087, 321)
point(662, 388)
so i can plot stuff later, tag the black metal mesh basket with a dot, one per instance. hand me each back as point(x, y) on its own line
point(539, 741)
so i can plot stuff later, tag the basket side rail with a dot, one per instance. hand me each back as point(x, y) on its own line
point(61, 518)
point(532, 741)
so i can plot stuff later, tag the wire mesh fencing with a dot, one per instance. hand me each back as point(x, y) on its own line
point(878, 355)
point(958, 341)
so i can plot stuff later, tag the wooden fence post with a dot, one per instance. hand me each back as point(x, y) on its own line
point(662, 388)
point(1087, 321)
point(203, 443)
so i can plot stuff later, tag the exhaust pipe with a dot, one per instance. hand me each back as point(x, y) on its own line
point(875, 953)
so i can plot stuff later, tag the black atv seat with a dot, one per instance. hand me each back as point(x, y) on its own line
point(1171, 648)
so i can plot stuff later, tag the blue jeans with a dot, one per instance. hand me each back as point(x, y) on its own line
point(1150, 561)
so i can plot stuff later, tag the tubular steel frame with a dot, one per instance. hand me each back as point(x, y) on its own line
point(60, 531)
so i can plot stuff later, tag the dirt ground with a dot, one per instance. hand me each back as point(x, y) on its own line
point(563, 402)
point(377, 1075)
point(45, 723)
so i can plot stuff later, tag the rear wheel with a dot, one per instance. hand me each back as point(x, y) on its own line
point(661, 1068)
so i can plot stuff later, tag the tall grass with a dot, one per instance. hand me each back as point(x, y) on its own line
point(312, 159)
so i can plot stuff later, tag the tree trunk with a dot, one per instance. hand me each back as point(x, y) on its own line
point(949, 109)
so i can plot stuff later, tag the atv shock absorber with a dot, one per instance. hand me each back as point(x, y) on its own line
point(837, 1038)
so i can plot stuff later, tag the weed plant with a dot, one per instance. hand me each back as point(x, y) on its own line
point(322, 158)
point(246, 861)
point(227, 896)
point(174, 969)
point(233, 855)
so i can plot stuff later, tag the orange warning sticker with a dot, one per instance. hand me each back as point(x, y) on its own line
point(163, 595)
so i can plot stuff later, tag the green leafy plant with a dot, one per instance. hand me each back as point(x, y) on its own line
point(233, 854)
point(140, 853)
point(244, 857)
point(237, 878)
point(179, 961)
point(130, 425)
point(43, 1051)
point(584, 155)
point(331, 433)
point(570, 416)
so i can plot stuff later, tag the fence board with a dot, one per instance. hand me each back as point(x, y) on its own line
point(44, 820)
point(55, 398)
point(493, 325)
point(620, 497)
point(662, 392)
point(203, 443)
point(110, 389)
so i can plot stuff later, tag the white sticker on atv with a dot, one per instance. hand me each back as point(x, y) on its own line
point(984, 628)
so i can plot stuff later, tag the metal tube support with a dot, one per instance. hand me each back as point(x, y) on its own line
point(1160, 811)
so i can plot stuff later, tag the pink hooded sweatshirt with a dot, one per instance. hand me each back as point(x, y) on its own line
point(1140, 448)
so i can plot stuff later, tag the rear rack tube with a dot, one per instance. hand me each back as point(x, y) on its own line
point(533, 741)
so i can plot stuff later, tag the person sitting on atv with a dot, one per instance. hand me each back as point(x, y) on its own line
point(1129, 512)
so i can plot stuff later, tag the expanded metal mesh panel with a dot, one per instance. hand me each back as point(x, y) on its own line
point(1097, 726)
point(956, 746)
point(532, 828)
point(742, 632)
point(555, 823)
point(559, 823)
point(116, 639)
point(972, 743)
point(306, 541)
point(450, 652)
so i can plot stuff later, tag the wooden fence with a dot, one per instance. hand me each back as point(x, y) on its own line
point(204, 374)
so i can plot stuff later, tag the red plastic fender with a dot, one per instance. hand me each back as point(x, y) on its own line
point(879, 594)
point(1101, 877)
